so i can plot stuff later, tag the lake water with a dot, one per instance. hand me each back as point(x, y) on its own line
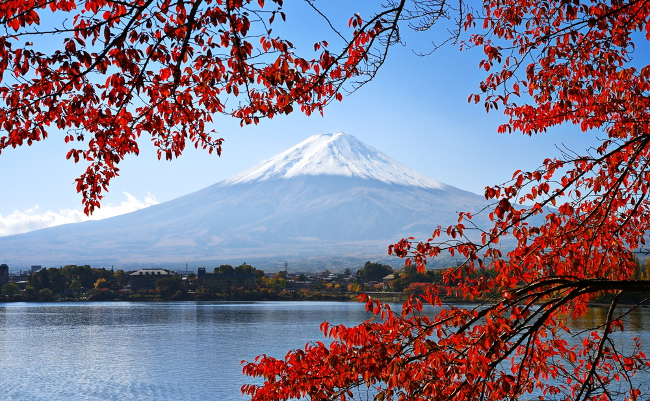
point(163, 351)
point(150, 351)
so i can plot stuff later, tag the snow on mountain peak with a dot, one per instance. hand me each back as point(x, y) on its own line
point(334, 154)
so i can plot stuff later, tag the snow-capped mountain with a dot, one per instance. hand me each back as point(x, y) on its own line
point(329, 197)
point(337, 154)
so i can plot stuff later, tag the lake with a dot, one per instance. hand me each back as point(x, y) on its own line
point(164, 351)
point(150, 351)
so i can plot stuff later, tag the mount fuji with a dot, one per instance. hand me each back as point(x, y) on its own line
point(327, 202)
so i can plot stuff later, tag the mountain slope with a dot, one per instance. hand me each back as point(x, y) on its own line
point(330, 195)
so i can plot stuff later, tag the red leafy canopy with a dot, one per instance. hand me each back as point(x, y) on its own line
point(458, 354)
point(548, 63)
point(157, 67)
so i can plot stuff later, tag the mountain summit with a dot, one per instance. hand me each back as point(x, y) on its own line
point(329, 198)
point(335, 154)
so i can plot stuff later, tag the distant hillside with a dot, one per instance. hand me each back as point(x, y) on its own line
point(330, 198)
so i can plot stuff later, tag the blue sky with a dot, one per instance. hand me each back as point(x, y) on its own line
point(415, 111)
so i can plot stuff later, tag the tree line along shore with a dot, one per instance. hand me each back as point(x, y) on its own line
point(233, 283)
point(226, 282)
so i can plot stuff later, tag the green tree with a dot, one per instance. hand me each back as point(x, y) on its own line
point(10, 289)
point(39, 280)
point(245, 269)
point(276, 283)
point(45, 295)
point(224, 269)
point(75, 286)
point(119, 280)
point(57, 280)
point(281, 275)
point(374, 272)
point(85, 274)
point(30, 293)
point(168, 286)
point(203, 293)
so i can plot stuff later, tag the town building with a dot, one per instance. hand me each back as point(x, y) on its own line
point(4, 274)
point(387, 280)
point(146, 278)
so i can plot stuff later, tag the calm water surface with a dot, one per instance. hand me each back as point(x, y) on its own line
point(165, 351)
point(150, 351)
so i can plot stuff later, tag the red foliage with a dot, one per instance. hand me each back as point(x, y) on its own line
point(164, 69)
point(548, 63)
point(417, 288)
point(154, 67)
point(458, 354)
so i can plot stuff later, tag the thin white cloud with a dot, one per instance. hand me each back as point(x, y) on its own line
point(32, 219)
